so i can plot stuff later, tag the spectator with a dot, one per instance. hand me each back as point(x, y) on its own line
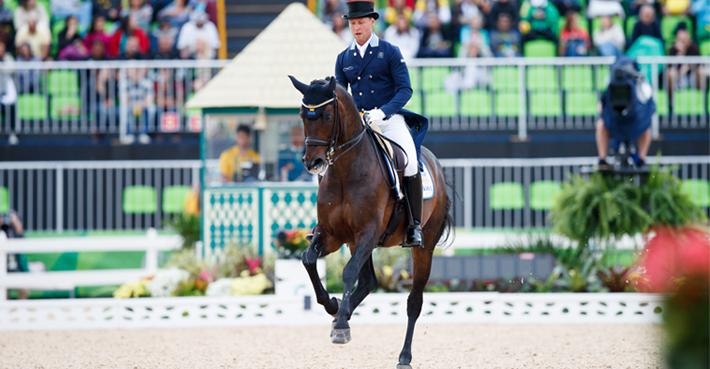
point(472, 74)
point(540, 21)
point(5, 13)
point(74, 51)
point(140, 98)
point(574, 40)
point(165, 31)
point(395, 8)
point(30, 9)
point(37, 36)
point(129, 28)
point(97, 51)
point(423, 9)
point(290, 166)
point(12, 227)
point(8, 91)
point(701, 10)
point(208, 7)
point(198, 31)
point(166, 49)
point(340, 28)
point(132, 50)
point(464, 11)
point(110, 10)
point(102, 98)
point(61, 9)
point(27, 79)
point(402, 35)
point(177, 13)
point(601, 8)
point(332, 8)
point(609, 38)
point(646, 26)
point(684, 75)
point(239, 163)
point(436, 41)
point(635, 6)
point(97, 32)
point(507, 7)
point(142, 13)
point(68, 34)
point(473, 31)
point(505, 40)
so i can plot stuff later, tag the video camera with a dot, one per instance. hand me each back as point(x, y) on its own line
point(627, 103)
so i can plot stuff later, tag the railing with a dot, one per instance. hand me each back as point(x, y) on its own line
point(90, 195)
point(517, 95)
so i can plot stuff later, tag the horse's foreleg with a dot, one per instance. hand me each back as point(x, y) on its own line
point(422, 267)
point(363, 253)
point(309, 258)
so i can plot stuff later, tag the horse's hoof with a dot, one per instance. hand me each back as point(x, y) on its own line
point(340, 336)
point(404, 366)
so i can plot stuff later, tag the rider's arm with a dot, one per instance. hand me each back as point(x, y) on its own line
point(339, 74)
point(402, 86)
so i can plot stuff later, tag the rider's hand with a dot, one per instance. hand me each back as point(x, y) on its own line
point(374, 116)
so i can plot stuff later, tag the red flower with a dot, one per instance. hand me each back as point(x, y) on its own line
point(674, 254)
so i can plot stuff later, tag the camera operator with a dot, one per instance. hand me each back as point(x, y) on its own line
point(627, 107)
point(11, 225)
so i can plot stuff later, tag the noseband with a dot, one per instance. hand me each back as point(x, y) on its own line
point(331, 145)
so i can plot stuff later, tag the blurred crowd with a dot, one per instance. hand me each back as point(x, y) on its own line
point(502, 28)
point(32, 30)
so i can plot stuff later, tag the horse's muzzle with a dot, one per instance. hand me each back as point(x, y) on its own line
point(316, 166)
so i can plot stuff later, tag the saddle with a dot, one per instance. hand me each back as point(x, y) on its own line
point(393, 157)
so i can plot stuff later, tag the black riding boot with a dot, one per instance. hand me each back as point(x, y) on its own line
point(413, 194)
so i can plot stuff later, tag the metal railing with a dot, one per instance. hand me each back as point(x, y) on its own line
point(89, 195)
point(508, 94)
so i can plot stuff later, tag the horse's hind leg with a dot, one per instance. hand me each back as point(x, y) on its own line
point(309, 258)
point(422, 267)
point(366, 283)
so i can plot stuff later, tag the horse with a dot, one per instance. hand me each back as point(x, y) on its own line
point(355, 206)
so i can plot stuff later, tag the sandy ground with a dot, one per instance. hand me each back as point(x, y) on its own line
point(435, 346)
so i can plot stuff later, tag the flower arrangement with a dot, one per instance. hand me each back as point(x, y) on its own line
point(291, 243)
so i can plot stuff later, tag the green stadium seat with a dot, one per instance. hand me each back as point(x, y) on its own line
point(543, 194)
point(140, 200)
point(32, 107)
point(63, 82)
point(601, 79)
point(505, 78)
point(440, 104)
point(11, 4)
point(688, 102)
point(698, 190)
point(577, 77)
point(705, 47)
point(4, 201)
point(668, 25)
point(539, 49)
point(433, 78)
point(630, 22)
point(414, 79)
point(581, 103)
point(507, 196)
point(66, 107)
point(506, 104)
point(415, 102)
point(174, 199)
point(542, 78)
point(545, 104)
point(476, 103)
point(661, 98)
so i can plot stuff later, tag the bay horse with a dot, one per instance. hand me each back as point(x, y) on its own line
point(355, 204)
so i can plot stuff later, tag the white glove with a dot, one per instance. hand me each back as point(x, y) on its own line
point(374, 116)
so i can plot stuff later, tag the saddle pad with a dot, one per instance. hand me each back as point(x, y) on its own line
point(427, 184)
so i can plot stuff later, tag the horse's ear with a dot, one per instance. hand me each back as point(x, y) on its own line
point(300, 86)
point(331, 84)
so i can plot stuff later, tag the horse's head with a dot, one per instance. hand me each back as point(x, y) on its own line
point(319, 115)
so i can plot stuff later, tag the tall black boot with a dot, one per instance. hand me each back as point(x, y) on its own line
point(413, 194)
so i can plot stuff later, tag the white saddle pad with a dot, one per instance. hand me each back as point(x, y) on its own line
point(427, 184)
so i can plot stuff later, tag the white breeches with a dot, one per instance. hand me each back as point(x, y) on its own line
point(395, 128)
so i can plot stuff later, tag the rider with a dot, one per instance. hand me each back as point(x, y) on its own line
point(379, 81)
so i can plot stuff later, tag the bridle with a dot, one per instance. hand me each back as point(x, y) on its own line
point(331, 154)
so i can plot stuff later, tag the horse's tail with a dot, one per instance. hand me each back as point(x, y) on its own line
point(445, 235)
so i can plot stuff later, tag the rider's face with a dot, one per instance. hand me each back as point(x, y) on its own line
point(361, 28)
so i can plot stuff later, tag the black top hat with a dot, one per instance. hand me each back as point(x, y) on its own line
point(361, 9)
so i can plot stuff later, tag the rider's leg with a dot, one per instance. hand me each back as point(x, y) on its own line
point(643, 144)
point(395, 128)
point(602, 139)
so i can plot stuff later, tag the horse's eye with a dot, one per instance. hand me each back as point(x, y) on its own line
point(327, 116)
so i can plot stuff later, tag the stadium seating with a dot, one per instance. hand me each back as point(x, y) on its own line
point(506, 104)
point(698, 190)
point(440, 104)
point(140, 200)
point(507, 196)
point(577, 77)
point(705, 47)
point(505, 78)
point(63, 82)
point(174, 199)
point(688, 102)
point(4, 200)
point(668, 25)
point(542, 78)
point(539, 49)
point(545, 104)
point(661, 103)
point(32, 107)
point(543, 193)
point(65, 107)
point(581, 103)
point(476, 103)
point(433, 78)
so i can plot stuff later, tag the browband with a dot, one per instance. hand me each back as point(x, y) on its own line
point(314, 107)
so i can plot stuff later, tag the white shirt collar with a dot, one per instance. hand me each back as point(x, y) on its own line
point(374, 41)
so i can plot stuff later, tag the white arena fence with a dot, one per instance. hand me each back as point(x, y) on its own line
point(90, 195)
point(380, 308)
point(515, 94)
